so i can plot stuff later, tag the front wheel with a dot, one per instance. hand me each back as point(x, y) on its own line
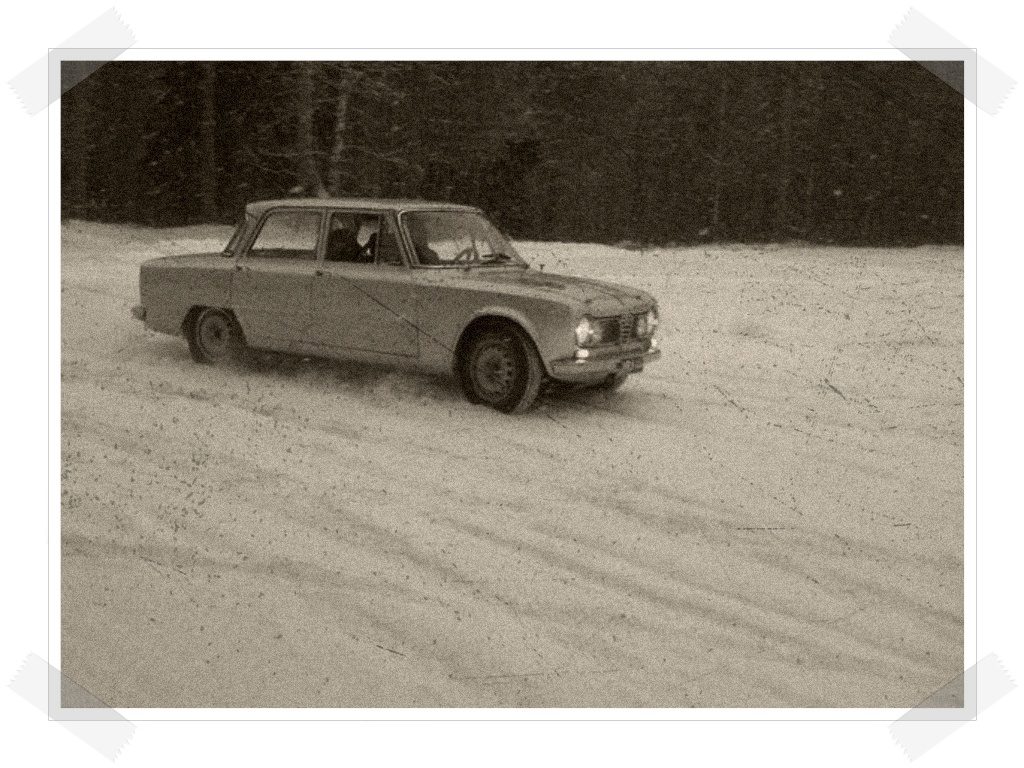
point(214, 336)
point(502, 369)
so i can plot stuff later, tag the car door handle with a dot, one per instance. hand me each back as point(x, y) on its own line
point(319, 273)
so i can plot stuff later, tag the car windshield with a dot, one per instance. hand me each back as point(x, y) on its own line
point(458, 239)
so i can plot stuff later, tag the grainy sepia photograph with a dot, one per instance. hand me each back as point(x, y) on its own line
point(512, 384)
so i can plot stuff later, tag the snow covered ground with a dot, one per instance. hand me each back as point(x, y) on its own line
point(770, 516)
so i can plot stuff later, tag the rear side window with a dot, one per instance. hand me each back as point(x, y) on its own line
point(288, 235)
point(361, 238)
point(387, 246)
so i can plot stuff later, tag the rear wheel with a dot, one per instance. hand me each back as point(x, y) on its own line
point(501, 368)
point(214, 336)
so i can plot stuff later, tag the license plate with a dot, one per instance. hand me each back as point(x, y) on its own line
point(632, 364)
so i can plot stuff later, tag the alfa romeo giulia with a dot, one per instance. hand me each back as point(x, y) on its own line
point(433, 286)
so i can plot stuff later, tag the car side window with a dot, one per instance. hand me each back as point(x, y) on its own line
point(351, 237)
point(288, 235)
point(361, 238)
point(388, 251)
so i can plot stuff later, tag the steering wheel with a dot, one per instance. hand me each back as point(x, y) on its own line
point(368, 251)
point(464, 254)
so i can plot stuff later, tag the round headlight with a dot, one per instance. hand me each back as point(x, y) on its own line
point(584, 332)
point(652, 320)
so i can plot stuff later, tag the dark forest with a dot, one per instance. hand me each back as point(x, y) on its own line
point(636, 152)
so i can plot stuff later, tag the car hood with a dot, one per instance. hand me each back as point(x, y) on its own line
point(596, 296)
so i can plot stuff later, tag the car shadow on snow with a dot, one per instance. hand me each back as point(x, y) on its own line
point(327, 375)
point(566, 401)
point(380, 383)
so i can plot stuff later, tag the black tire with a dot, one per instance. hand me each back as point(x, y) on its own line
point(500, 367)
point(214, 336)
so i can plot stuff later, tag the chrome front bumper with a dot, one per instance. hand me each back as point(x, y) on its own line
point(603, 363)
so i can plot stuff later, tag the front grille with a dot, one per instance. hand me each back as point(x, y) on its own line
point(627, 328)
point(618, 330)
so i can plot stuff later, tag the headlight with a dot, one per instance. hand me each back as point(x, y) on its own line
point(585, 332)
point(652, 320)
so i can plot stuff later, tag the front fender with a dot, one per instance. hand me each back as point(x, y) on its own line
point(549, 327)
point(516, 316)
point(446, 311)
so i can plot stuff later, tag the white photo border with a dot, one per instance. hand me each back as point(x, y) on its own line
point(970, 248)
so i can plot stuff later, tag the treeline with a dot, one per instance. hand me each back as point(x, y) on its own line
point(647, 152)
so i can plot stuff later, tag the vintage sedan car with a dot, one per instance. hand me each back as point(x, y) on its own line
point(433, 286)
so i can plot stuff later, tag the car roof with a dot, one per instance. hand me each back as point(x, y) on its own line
point(258, 208)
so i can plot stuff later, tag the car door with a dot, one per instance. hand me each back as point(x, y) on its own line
point(273, 278)
point(363, 298)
